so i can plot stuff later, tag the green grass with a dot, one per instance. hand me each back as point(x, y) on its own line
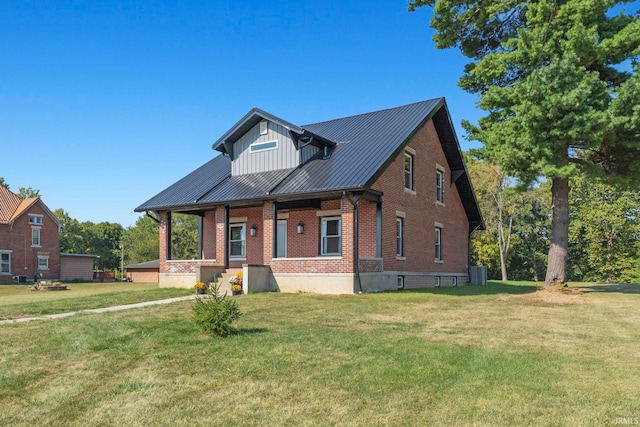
point(19, 301)
point(494, 355)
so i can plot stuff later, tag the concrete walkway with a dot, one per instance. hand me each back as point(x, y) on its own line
point(98, 310)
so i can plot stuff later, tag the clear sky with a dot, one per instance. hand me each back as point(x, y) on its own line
point(105, 103)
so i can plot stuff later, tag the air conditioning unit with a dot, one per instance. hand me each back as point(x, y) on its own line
point(478, 275)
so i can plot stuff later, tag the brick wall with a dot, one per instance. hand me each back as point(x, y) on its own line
point(422, 212)
point(254, 249)
point(209, 235)
point(17, 238)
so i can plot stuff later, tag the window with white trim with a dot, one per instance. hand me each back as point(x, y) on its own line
point(5, 262)
point(331, 233)
point(35, 236)
point(454, 281)
point(437, 281)
point(43, 262)
point(262, 146)
point(400, 282)
point(237, 240)
point(35, 219)
point(438, 244)
point(399, 237)
point(408, 171)
point(439, 186)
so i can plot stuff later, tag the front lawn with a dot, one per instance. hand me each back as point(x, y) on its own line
point(19, 301)
point(495, 355)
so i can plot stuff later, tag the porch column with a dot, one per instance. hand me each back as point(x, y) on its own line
point(164, 239)
point(268, 232)
point(220, 235)
point(348, 228)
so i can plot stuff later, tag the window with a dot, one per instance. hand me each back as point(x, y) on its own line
point(454, 281)
point(439, 186)
point(264, 127)
point(331, 237)
point(35, 236)
point(438, 244)
point(408, 171)
point(5, 262)
point(237, 240)
point(400, 282)
point(261, 146)
point(399, 237)
point(35, 219)
point(43, 263)
point(437, 281)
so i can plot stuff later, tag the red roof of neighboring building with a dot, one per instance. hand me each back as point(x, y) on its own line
point(9, 203)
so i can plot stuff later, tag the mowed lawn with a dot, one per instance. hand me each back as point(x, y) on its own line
point(498, 355)
point(19, 301)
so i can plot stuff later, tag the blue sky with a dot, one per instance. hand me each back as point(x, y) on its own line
point(105, 103)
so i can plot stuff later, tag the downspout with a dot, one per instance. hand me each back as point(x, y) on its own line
point(356, 257)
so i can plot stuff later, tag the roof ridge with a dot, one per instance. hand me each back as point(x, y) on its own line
point(374, 111)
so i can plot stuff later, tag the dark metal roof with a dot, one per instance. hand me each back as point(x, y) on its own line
point(245, 187)
point(192, 187)
point(365, 145)
point(146, 264)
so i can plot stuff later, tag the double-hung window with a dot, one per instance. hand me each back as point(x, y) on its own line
point(408, 171)
point(439, 186)
point(399, 237)
point(331, 233)
point(43, 263)
point(438, 257)
point(5, 262)
point(35, 236)
point(237, 240)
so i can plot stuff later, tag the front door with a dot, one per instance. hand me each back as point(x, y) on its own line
point(282, 239)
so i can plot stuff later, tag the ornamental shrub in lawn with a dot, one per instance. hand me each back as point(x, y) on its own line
point(215, 313)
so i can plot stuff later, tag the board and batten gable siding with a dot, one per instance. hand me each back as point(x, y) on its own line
point(285, 156)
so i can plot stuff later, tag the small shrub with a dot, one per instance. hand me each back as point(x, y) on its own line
point(215, 313)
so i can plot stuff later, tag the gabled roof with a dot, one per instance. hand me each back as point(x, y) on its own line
point(12, 206)
point(359, 149)
point(9, 203)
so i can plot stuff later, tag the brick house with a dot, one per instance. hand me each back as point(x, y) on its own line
point(377, 201)
point(29, 239)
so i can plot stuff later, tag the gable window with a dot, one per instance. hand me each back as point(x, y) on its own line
point(43, 262)
point(408, 171)
point(237, 240)
point(264, 127)
point(262, 146)
point(35, 219)
point(35, 236)
point(438, 244)
point(440, 186)
point(5, 262)
point(399, 237)
point(331, 236)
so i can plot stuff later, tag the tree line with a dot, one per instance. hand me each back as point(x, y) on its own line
point(604, 233)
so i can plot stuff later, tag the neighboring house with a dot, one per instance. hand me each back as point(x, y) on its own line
point(29, 239)
point(377, 201)
point(144, 272)
point(76, 267)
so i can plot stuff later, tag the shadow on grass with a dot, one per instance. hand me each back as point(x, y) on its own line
point(622, 288)
point(492, 288)
point(250, 331)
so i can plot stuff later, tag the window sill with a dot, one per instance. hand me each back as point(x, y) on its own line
point(439, 261)
point(409, 191)
point(401, 258)
point(439, 203)
point(233, 258)
point(36, 246)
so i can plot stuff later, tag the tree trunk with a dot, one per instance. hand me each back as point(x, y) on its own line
point(559, 247)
